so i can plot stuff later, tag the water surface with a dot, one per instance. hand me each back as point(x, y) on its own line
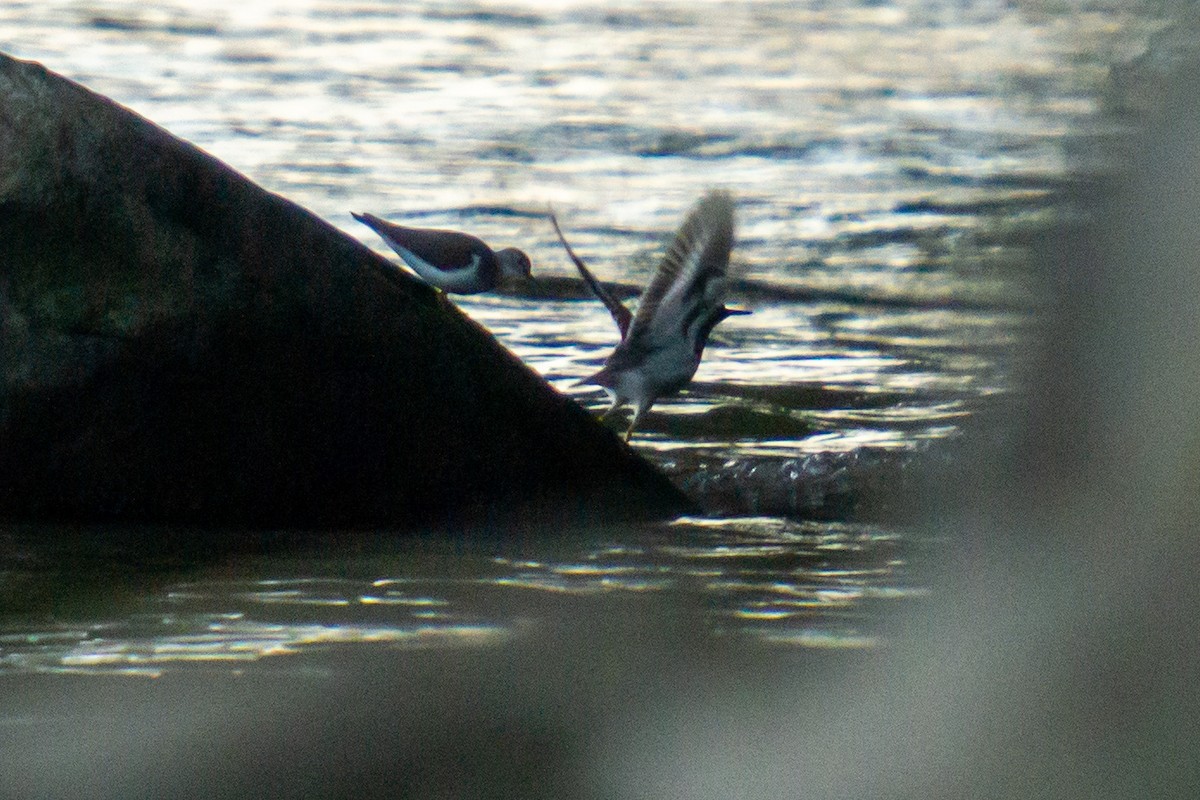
point(890, 161)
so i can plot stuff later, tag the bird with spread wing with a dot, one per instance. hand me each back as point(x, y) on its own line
point(662, 343)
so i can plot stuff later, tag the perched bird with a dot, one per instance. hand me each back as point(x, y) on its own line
point(662, 343)
point(452, 261)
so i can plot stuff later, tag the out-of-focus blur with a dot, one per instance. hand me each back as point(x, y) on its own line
point(1003, 606)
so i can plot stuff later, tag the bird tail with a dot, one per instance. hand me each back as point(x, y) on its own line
point(603, 379)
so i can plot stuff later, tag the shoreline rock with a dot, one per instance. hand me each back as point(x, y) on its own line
point(179, 345)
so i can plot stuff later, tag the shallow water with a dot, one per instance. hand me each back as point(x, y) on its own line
point(890, 163)
point(765, 580)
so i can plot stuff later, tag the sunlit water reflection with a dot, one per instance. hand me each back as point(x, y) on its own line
point(890, 162)
point(767, 579)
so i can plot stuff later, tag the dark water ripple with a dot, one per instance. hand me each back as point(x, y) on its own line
point(828, 485)
point(135, 609)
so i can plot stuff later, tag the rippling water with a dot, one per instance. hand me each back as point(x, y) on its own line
point(774, 581)
point(890, 163)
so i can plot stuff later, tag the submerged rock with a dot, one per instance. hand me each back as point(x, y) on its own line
point(178, 344)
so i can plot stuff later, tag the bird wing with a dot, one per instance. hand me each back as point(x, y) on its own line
point(445, 250)
point(689, 284)
point(620, 313)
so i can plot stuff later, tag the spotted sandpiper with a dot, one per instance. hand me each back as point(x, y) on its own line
point(662, 343)
point(452, 261)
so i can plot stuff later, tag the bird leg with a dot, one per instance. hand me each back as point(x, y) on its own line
point(637, 417)
point(616, 403)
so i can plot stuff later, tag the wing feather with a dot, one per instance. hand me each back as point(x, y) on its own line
point(616, 308)
point(689, 284)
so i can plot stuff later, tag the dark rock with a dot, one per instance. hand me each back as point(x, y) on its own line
point(177, 344)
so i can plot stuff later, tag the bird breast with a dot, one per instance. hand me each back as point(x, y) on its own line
point(463, 280)
point(662, 370)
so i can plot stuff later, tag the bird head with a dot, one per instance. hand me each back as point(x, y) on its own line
point(725, 313)
point(701, 333)
point(514, 263)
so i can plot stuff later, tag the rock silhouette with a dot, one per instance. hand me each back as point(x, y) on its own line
point(179, 345)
